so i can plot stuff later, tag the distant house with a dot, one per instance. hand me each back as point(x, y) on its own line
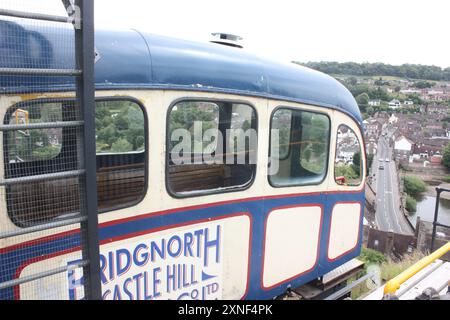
point(393, 119)
point(423, 151)
point(428, 148)
point(423, 108)
point(372, 127)
point(437, 109)
point(410, 91)
point(408, 103)
point(436, 131)
point(403, 148)
point(435, 95)
point(394, 104)
point(436, 159)
point(375, 103)
point(381, 116)
point(371, 146)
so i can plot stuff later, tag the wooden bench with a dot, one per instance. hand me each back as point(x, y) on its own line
point(195, 177)
point(36, 202)
point(118, 185)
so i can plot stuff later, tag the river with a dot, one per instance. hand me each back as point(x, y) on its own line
point(425, 210)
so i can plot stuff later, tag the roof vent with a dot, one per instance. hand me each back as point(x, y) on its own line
point(226, 39)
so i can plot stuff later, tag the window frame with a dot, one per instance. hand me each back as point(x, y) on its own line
point(11, 109)
point(20, 105)
point(327, 161)
point(288, 154)
point(200, 193)
point(361, 161)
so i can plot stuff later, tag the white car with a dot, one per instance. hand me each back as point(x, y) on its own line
point(381, 160)
point(387, 160)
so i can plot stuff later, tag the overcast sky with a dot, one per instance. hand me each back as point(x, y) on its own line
point(390, 31)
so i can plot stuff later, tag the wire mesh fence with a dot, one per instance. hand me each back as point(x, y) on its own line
point(42, 163)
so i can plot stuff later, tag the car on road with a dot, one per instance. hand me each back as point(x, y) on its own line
point(381, 160)
point(381, 167)
point(387, 160)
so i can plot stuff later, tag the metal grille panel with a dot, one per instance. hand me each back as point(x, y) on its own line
point(47, 214)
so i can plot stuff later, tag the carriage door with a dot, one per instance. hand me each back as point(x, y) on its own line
point(47, 179)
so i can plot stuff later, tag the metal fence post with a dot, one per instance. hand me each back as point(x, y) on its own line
point(436, 213)
point(84, 42)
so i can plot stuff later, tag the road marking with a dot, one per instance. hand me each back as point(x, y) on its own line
point(384, 196)
point(393, 206)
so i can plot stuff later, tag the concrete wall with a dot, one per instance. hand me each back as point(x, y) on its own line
point(396, 245)
point(389, 243)
point(423, 234)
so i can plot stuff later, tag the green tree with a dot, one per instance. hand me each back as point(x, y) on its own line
point(446, 156)
point(121, 121)
point(363, 101)
point(370, 256)
point(346, 171)
point(118, 122)
point(356, 165)
point(352, 80)
point(414, 185)
point(412, 71)
point(411, 204)
point(415, 97)
point(107, 135)
point(121, 145)
point(423, 84)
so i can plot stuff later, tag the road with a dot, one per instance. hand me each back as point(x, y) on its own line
point(388, 215)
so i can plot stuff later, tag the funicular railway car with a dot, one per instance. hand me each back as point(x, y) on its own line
point(247, 222)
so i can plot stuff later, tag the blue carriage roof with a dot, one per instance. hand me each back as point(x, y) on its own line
point(131, 59)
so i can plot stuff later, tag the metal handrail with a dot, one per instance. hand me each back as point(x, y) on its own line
point(40, 72)
point(41, 227)
point(394, 284)
point(34, 16)
point(42, 177)
point(44, 274)
point(41, 125)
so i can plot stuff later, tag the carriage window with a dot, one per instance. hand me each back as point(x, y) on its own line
point(299, 147)
point(36, 144)
point(281, 121)
point(212, 147)
point(121, 157)
point(348, 164)
point(121, 153)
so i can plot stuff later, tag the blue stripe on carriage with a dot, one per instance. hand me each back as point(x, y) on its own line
point(258, 209)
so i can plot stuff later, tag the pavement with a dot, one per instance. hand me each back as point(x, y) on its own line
point(388, 215)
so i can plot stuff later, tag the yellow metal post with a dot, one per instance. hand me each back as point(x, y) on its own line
point(392, 285)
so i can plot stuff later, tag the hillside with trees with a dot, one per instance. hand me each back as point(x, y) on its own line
point(410, 71)
point(376, 85)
